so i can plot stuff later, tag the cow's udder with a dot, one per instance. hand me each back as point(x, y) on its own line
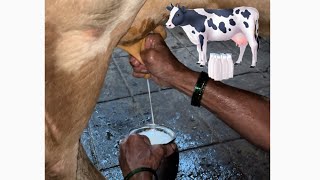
point(240, 39)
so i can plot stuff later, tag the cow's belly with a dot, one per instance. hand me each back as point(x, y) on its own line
point(217, 35)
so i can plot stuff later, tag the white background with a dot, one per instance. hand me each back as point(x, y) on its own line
point(295, 90)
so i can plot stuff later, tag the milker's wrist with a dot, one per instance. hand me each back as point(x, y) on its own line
point(185, 81)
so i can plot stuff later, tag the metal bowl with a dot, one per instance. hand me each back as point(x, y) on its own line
point(157, 134)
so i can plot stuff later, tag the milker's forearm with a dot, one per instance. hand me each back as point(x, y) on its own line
point(185, 81)
point(245, 112)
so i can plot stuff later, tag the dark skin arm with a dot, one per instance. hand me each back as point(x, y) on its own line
point(246, 112)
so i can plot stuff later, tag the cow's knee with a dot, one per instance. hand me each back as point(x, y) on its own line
point(255, 46)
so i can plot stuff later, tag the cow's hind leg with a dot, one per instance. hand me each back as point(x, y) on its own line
point(71, 91)
point(242, 49)
point(76, 61)
point(254, 49)
point(250, 36)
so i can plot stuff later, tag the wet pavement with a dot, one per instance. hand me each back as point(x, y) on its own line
point(208, 148)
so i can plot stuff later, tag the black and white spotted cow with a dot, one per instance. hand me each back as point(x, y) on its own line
point(201, 25)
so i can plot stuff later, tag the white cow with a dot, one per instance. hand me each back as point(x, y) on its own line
point(201, 25)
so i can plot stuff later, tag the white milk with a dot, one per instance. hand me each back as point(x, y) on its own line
point(150, 101)
point(157, 137)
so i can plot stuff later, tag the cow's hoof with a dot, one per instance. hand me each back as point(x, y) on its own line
point(201, 65)
point(197, 63)
point(236, 64)
point(252, 66)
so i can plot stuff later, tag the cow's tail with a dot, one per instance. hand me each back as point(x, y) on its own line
point(257, 30)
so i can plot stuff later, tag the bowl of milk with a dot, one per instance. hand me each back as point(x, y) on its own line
point(157, 134)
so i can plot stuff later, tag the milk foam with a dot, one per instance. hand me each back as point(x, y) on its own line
point(157, 137)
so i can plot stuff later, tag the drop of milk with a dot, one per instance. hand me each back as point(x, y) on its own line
point(157, 137)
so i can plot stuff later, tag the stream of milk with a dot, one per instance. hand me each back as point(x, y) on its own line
point(155, 136)
point(150, 101)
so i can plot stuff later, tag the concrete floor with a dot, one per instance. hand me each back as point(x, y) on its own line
point(208, 148)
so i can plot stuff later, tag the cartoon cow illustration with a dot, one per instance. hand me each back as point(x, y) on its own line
point(201, 25)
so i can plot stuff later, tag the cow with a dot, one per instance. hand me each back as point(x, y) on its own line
point(239, 24)
point(79, 39)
